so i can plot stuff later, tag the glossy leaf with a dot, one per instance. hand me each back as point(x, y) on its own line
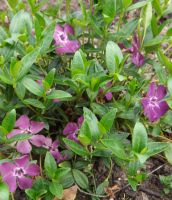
point(9, 121)
point(139, 137)
point(80, 178)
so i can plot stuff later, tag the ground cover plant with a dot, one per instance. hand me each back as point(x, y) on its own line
point(86, 99)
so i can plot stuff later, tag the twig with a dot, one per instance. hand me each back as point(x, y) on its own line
point(156, 169)
point(156, 194)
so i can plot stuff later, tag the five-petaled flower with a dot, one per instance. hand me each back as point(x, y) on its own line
point(72, 128)
point(24, 125)
point(62, 41)
point(153, 104)
point(17, 172)
point(53, 148)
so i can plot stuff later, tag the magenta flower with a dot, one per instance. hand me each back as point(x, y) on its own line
point(53, 148)
point(62, 41)
point(17, 172)
point(153, 104)
point(24, 125)
point(109, 96)
point(71, 129)
point(137, 57)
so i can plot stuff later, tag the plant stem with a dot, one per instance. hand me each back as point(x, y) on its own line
point(12, 196)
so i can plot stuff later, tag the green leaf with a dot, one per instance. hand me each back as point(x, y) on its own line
point(156, 147)
point(26, 62)
point(20, 90)
point(34, 102)
point(59, 94)
point(108, 119)
point(56, 189)
point(9, 121)
point(19, 137)
point(164, 61)
point(92, 125)
point(47, 38)
point(139, 137)
point(169, 84)
point(50, 165)
point(168, 153)
point(137, 5)
point(113, 57)
point(77, 65)
point(101, 187)
point(33, 87)
point(13, 3)
point(109, 10)
point(21, 23)
point(116, 147)
point(48, 81)
point(146, 15)
point(4, 191)
point(80, 178)
point(76, 148)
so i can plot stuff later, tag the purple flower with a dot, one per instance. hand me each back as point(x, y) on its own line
point(17, 173)
point(153, 104)
point(137, 57)
point(53, 148)
point(109, 96)
point(71, 129)
point(62, 41)
point(24, 125)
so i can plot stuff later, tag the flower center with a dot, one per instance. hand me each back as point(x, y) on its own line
point(153, 102)
point(19, 172)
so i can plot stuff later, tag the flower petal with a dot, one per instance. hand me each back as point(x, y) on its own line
point(11, 182)
point(109, 96)
point(22, 161)
point(37, 140)
point(80, 121)
point(161, 92)
point(32, 170)
point(57, 155)
point(36, 127)
point(23, 122)
point(48, 142)
point(24, 182)
point(68, 29)
point(55, 144)
point(152, 89)
point(24, 147)
point(163, 108)
point(70, 128)
point(6, 168)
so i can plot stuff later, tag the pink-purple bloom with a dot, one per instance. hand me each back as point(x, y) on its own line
point(153, 104)
point(71, 129)
point(17, 172)
point(137, 56)
point(53, 149)
point(25, 125)
point(62, 41)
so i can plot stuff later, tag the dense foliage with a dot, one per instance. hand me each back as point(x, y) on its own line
point(80, 86)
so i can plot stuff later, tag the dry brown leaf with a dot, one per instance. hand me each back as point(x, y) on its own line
point(69, 194)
